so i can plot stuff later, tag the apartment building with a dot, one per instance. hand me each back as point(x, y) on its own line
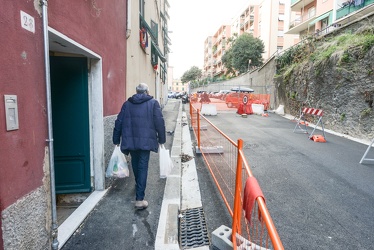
point(264, 19)
point(247, 20)
point(219, 47)
point(208, 57)
point(309, 17)
point(348, 11)
point(148, 44)
point(178, 86)
point(270, 17)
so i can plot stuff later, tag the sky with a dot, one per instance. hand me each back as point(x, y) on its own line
point(191, 22)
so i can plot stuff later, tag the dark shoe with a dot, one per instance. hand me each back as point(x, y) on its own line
point(141, 204)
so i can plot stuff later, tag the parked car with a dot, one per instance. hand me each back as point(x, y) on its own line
point(171, 94)
point(242, 89)
point(224, 91)
point(179, 95)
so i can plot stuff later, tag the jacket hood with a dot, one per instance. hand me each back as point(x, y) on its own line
point(140, 98)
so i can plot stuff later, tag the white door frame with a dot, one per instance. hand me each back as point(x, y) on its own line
point(60, 43)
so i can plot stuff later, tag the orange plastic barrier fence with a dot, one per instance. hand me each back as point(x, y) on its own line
point(230, 172)
point(231, 100)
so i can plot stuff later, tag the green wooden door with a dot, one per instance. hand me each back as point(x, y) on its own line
point(69, 88)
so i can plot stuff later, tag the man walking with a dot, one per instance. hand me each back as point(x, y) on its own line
point(141, 127)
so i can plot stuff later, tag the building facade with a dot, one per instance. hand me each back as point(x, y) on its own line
point(247, 21)
point(148, 45)
point(179, 86)
point(318, 17)
point(208, 58)
point(64, 78)
point(264, 19)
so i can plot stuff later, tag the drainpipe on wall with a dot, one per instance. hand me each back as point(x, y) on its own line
point(128, 23)
point(44, 4)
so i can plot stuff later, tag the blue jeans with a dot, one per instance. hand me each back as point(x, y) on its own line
point(139, 162)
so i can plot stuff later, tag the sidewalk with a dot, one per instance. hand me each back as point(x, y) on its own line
point(113, 223)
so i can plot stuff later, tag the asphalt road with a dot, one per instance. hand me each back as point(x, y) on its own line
point(318, 194)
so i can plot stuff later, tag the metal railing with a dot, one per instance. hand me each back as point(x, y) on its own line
point(230, 171)
point(350, 7)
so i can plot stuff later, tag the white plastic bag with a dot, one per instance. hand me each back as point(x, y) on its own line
point(166, 164)
point(117, 166)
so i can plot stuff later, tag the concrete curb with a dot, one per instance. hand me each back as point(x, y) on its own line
point(167, 231)
point(182, 189)
point(191, 197)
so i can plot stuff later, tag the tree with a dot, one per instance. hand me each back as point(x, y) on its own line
point(243, 49)
point(194, 73)
point(227, 56)
point(227, 61)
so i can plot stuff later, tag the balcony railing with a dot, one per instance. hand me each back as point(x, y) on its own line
point(302, 19)
point(350, 8)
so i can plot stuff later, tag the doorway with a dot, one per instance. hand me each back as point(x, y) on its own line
point(79, 173)
point(70, 116)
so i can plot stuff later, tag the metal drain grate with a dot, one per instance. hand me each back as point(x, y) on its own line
point(193, 232)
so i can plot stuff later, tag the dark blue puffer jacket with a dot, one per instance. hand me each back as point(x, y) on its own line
point(140, 124)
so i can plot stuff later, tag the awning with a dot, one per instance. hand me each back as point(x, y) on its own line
point(157, 51)
point(320, 18)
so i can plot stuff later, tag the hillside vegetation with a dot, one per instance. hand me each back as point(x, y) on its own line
point(334, 73)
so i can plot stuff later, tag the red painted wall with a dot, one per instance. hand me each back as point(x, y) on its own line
point(100, 26)
point(22, 74)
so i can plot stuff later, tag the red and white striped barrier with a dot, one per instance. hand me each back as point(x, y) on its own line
point(301, 121)
point(312, 111)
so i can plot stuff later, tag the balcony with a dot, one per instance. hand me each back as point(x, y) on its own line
point(365, 8)
point(297, 5)
point(301, 23)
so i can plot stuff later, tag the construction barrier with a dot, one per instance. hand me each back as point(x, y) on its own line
point(258, 109)
point(245, 109)
point(252, 226)
point(233, 100)
point(208, 109)
point(302, 122)
point(365, 160)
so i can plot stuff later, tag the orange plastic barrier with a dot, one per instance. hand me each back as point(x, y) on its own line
point(234, 99)
point(245, 109)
